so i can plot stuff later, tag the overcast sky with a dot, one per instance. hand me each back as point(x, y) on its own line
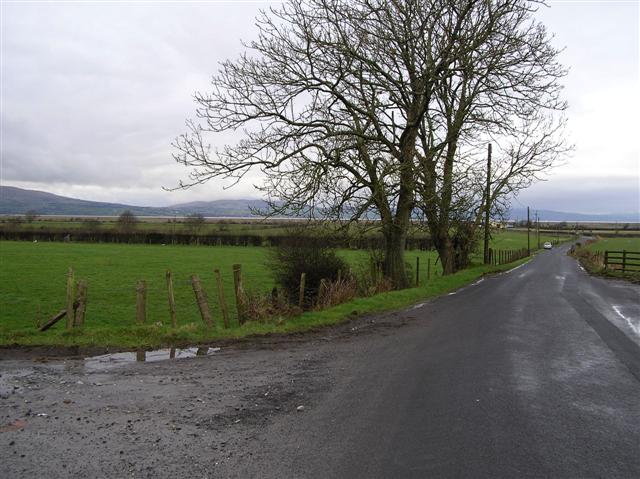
point(93, 93)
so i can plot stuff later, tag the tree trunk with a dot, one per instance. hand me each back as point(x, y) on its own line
point(444, 246)
point(394, 266)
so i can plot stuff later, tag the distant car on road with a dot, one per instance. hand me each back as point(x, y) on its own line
point(548, 245)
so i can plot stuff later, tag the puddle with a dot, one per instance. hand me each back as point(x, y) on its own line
point(108, 361)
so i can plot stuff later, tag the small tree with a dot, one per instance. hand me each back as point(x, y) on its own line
point(127, 221)
point(194, 223)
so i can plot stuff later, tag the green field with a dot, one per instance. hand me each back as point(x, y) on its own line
point(33, 283)
point(615, 244)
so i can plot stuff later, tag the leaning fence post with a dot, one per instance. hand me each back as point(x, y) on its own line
point(223, 303)
point(172, 301)
point(303, 278)
point(141, 299)
point(82, 303)
point(201, 299)
point(70, 299)
point(237, 284)
point(38, 317)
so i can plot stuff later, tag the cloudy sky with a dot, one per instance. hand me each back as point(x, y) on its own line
point(94, 92)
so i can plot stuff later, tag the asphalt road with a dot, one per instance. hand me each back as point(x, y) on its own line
point(531, 373)
point(534, 373)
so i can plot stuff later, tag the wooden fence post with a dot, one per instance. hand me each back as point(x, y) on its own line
point(417, 271)
point(221, 299)
point(606, 260)
point(82, 304)
point(70, 299)
point(172, 301)
point(428, 269)
point(201, 299)
point(303, 278)
point(237, 286)
point(624, 260)
point(141, 299)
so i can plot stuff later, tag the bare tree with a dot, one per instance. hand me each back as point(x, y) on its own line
point(505, 90)
point(194, 223)
point(127, 221)
point(351, 108)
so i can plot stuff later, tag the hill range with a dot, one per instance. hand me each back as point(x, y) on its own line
point(16, 201)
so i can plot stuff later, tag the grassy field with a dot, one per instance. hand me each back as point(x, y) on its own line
point(33, 283)
point(615, 244)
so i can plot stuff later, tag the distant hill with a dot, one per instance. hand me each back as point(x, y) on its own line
point(15, 201)
point(18, 201)
point(219, 207)
point(519, 214)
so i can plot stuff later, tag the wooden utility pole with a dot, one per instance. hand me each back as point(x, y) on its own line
point(538, 229)
point(487, 208)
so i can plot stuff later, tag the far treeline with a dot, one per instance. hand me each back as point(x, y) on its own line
point(194, 229)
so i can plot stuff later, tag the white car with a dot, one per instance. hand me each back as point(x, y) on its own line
point(547, 245)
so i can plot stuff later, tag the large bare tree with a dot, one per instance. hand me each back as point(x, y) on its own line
point(356, 106)
point(504, 88)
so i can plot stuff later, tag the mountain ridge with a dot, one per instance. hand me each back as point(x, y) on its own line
point(14, 200)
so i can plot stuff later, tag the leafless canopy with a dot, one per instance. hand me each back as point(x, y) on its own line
point(353, 107)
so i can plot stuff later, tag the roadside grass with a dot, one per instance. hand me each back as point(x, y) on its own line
point(33, 278)
point(591, 257)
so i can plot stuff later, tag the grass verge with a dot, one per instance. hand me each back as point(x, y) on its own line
point(591, 257)
point(159, 335)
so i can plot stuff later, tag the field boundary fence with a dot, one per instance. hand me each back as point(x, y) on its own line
point(625, 261)
point(505, 256)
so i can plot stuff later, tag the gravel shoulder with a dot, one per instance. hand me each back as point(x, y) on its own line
point(200, 416)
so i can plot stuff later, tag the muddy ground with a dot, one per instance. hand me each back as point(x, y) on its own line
point(186, 417)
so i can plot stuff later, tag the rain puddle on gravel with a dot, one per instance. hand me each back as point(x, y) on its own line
point(108, 361)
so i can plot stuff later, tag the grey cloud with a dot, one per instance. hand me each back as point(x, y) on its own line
point(584, 195)
point(93, 94)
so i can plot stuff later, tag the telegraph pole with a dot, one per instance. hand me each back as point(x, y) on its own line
point(487, 208)
point(538, 229)
point(528, 233)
